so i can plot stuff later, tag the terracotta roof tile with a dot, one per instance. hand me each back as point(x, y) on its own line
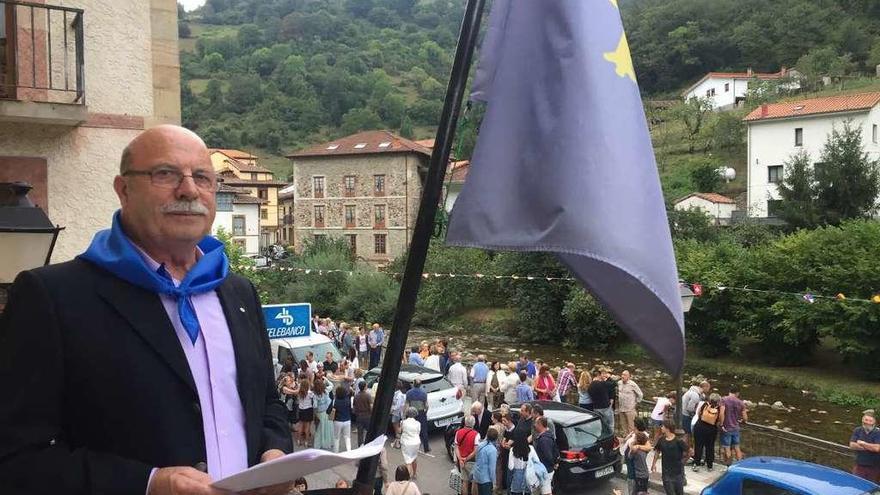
point(711, 197)
point(247, 167)
point(362, 143)
point(427, 143)
point(815, 106)
point(459, 171)
point(231, 153)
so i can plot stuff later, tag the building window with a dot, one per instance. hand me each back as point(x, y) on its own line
point(379, 180)
point(350, 216)
point(379, 243)
point(799, 136)
point(874, 133)
point(238, 225)
point(253, 176)
point(264, 213)
point(774, 174)
point(318, 183)
point(240, 243)
point(320, 238)
point(319, 216)
point(348, 185)
point(353, 244)
point(773, 207)
point(263, 193)
point(224, 202)
point(726, 87)
point(379, 216)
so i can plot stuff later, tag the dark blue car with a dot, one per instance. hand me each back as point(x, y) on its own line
point(780, 476)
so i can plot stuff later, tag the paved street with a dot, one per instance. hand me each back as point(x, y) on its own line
point(433, 473)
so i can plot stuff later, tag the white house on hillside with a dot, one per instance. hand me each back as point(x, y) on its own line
point(777, 131)
point(239, 215)
point(717, 207)
point(725, 90)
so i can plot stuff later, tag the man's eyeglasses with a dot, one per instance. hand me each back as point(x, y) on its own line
point(170, 178)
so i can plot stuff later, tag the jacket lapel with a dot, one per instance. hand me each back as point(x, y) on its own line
point(240, 323)
point(145, 313)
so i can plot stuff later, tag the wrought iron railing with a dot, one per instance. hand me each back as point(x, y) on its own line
point(42, 54)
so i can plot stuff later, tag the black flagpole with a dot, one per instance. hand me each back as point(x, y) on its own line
point(421, 238)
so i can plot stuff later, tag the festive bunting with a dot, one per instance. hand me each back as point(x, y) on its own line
point(698, 289)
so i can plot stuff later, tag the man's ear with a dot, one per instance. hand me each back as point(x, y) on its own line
point(120, 185)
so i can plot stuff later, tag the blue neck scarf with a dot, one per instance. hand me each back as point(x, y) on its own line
point(113, 251)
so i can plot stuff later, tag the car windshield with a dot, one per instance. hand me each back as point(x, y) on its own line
point(583, 435)
point(320, 350)
point(436, 385)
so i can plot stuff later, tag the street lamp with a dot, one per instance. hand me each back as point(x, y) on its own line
point(687, 300)
point(27, 237)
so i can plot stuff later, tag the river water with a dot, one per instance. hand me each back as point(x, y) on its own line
point(804, 414)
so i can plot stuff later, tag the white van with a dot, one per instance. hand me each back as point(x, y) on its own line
point(298, 347)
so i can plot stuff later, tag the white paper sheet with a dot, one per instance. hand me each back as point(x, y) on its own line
point(295, 465)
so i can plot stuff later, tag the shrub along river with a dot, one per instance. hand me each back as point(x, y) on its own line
point(800, 412)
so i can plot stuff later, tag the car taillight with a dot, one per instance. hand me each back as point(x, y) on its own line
point(616, 443)
point(572, 455)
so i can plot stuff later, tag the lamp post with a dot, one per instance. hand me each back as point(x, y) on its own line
point(687, 299)
point(27, 237)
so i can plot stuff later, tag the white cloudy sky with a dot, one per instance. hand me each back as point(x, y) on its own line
point(191, 4)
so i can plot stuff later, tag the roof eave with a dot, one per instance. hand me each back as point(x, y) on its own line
point(806, 115)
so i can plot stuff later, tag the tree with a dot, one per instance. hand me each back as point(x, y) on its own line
point(360, 119)
point(847, 179)
point(821, 62)
point(214, 62)
point(692, 223)
point(183, 30)
point(797, 192)
point(693, 113)
point(249, 36)
point(406, 128)
point(706, 178)
point(245, 91)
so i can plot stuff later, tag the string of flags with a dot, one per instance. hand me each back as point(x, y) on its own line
point(697, 288)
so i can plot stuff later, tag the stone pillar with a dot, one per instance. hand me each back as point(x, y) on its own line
point(166, 63)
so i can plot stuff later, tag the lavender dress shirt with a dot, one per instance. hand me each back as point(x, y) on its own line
point(212, 363)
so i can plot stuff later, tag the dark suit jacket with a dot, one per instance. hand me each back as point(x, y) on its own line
point(96, 390)
point(483, 422)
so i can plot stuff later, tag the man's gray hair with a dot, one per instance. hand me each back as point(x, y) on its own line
point(469, 421)
point(477, 406)
point(411, 412)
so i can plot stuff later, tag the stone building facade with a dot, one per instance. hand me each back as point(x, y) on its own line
point(364, 188)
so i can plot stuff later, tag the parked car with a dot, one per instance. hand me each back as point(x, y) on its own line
point(444, 404)
point(781, 476)
point(586, 454)
point(298, 347)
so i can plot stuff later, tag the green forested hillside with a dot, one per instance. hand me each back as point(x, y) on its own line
point(274, 75)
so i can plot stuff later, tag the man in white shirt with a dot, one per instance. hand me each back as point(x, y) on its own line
point(458, 374)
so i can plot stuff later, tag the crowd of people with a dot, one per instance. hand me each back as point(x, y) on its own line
point(493, 447)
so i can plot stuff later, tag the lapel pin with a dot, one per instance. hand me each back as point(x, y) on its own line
point(241, 309)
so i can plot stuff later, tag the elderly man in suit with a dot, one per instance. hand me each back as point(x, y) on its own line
point(143, 365)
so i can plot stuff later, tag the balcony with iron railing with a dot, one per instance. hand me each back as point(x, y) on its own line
point(42, 71)
point(287, 219)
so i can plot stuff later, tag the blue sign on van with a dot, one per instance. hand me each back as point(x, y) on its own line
point(288, 320)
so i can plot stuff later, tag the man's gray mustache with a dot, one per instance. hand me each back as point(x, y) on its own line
point(193, 207)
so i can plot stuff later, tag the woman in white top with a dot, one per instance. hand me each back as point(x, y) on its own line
point(433, 361)
point(402, 485)
point(410, 429)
